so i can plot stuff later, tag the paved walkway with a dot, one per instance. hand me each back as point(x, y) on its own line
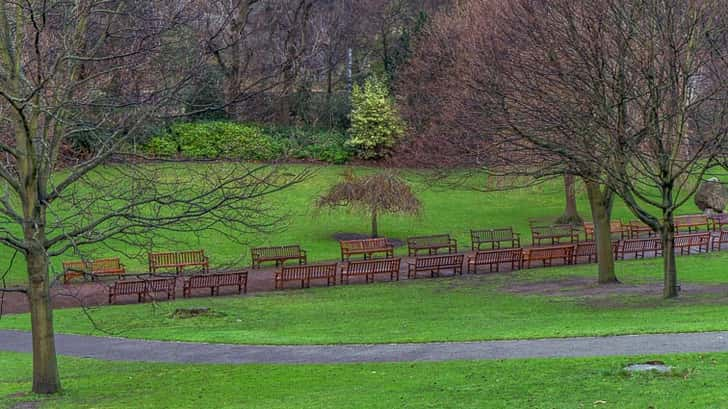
point(117, 349)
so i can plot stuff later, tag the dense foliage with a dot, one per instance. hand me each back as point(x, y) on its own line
point(375, 123)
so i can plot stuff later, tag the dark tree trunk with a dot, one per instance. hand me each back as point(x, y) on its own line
point(601, 209)
point(571, 214)
point(667, 236)
point(45, 365)
point(375, 229)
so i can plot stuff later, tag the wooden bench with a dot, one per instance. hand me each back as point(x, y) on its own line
point(306, 273)
point(717, 221)
point(548, 254)
point(178, 260)
point(143, 288)
point(369, 268)
point(494, 258)
point(432, 244)
point(92, 268)
point(366, 247)
point(215, 281)
point(639, 247)
point(554, 233)
point(435, 264)
point(687, 242)
point(494, 238)
point(719, 240)
point(616, 228)
point(588, 250)
point(637, 229)
point(278, 254)
point(691, 223)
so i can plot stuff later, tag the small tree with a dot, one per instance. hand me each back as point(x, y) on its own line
point(375, 194)
point(375, 122)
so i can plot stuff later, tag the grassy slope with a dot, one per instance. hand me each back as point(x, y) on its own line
point(697, 382)
point(448, 309)
point(445, 210)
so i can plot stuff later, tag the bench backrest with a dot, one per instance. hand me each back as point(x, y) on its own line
point(106, 264)
point(551, 251)
point(373, 266)
point(231, 278)
point(163, 259)
point(364, 244)
point(690, 240)
point(492, 235)
point(75, 265)
point(175, 258)
point(589, 248)
point(691, 220)
point(446, 260)
point(636, 245)
point(203, 280)
point(191, 256)
point(426, 241)
point(161, 284)
point(553, 230)
point(128, 287)
point(277, 251)
point(499, 256)
point(308, 271)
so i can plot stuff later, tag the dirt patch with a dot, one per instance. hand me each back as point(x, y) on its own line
point(34, 404)
point(360, 236)
point(648, 294)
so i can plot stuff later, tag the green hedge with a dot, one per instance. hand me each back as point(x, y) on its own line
point(232, 140)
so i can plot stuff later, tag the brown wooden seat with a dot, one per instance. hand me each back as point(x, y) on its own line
point(554, 234)
point(691, 223)
point(215, 281)
point(370, 268)
point(432, 244)
point(639, 248)
point(143, 288)
point(366, 247)
point(306, 273)
point(494, 258)
point(178, 260)
point(435, 264)
point(277, 254)
point(588, 250)
point(616, 229)
point(547, 254)
point(686, 243)
point(720, 239)
point(92, 268)
point(637, 229)
point(495, 238)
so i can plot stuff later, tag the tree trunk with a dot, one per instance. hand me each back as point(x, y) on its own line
point(667, 236)
point(375, 230)
point(45, 365)
point(571, 215)
point(601, 209)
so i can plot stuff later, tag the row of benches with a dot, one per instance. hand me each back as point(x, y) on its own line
point(516, 258)
point(146, 288)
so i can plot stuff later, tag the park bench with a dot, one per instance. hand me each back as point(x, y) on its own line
point(687, 242)
point(640, 247)
point(92, 268)
point(547, 254)
point(143, 288)
point(305, 273)
point(369, 268)
point(215, 281)
point(637, 229)
point(366, 247)
point(554, 233)
point(435, 264)
point(432, 244)
point(588, 250)
point(717, 221)
point(616, 228)
point(494, 238)
point(691, 223)
point(278, 254)
point(719, 240)
point(494, 258)
point(179, 260)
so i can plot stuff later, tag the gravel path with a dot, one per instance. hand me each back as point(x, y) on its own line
point(118, 349)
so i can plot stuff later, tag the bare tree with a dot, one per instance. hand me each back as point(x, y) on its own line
point(376, 194)
point(97, 70)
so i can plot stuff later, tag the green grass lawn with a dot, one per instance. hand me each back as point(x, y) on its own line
point(447, 309)
point(697, 381)
point(446, 210)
